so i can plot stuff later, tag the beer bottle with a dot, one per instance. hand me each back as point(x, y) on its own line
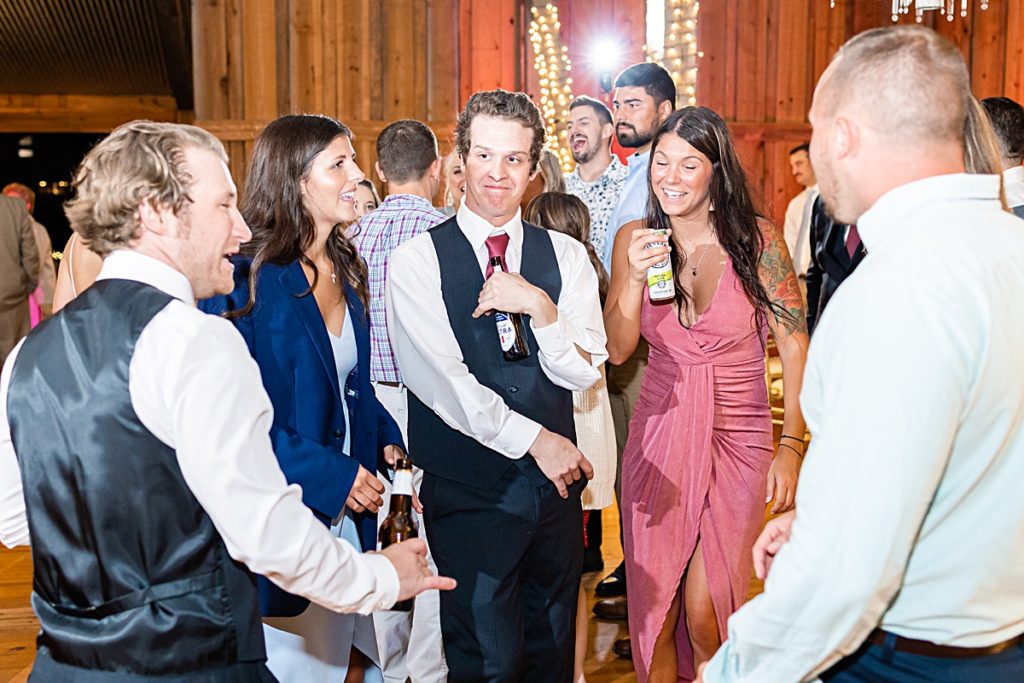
point(661, 284)
point(511, 331)
point(400, 525)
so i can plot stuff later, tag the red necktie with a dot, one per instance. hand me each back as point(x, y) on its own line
point(852, 241)
point(496, 246)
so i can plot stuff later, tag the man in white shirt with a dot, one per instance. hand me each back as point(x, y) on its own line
point(599, 175)
point(797, 227)
point(904, 560)
point(1007, 119)
point(495, 437)
point(134, 443)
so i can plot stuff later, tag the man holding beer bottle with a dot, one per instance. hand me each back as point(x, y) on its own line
point(492, 431)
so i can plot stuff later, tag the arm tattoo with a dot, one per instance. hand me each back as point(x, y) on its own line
point(776, 271)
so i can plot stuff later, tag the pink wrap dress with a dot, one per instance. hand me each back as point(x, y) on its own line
point(695, 465)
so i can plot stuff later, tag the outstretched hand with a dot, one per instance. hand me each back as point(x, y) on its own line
point(414, 576)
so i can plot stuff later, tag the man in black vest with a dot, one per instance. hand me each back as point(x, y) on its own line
point(134, 445)
point(836, 251)
point(501, 491)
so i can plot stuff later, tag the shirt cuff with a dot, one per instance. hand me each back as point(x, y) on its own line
point(553, 341)
point(516, 436)
point(387, 581)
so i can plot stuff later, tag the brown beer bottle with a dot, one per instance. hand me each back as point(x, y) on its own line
point(511, 331)
point(400, 525)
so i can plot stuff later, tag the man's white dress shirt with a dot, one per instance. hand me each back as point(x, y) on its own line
point(797, 229)
point(429, 355)
point(194, 385)
point(1013, 185)
point(910, 513)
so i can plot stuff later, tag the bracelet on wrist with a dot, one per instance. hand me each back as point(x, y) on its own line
point(786, 445)
point(787, 436)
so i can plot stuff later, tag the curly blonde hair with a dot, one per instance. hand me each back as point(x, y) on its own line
point(141, 161)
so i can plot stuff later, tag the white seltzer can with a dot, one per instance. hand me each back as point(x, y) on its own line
point(660, 282)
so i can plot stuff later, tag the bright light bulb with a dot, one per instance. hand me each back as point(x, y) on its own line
point(604, 55)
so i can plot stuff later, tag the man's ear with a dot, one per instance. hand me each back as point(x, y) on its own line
point(435, 169)
point(665, 110)
point(380, 173)
point(607, 131)
point(847, 137)
point(155, 220)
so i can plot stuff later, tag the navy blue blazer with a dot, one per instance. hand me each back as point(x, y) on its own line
point(288, 339)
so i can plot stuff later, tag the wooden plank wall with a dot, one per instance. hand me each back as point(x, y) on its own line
point(365, 62)
point(763, 57)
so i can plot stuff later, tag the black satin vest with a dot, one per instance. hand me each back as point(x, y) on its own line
point(446, 452)
point(130, 575)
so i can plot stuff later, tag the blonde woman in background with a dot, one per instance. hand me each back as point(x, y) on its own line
point(454, 182)
point(592, 413)
point(79, 266)
point(549, 178)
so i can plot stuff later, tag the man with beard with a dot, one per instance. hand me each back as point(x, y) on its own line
point(904, 559)
point(644, 97)
point(599, 175)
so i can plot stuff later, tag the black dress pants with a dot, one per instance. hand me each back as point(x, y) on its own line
point(517, 553)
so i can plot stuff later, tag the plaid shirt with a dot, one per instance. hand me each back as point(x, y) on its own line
point(399, 218)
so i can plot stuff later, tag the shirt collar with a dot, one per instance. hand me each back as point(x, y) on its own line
point(1013, 182)
point(612, 166)
point(405, 199)
point(126, 264)
point(477, 229)
point(894, 209)
point(638, 159)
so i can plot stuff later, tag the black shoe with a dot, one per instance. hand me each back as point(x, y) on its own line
point(623, 648)
point(613, 585)
point(592, 560)
point(612, 609)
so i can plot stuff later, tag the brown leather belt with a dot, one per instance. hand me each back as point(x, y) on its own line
point(929, 649)
point(393, 385)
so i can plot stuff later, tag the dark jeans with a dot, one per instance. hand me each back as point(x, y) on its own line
point(883, 664)
point(517, 553)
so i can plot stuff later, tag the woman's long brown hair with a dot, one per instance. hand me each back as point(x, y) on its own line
point(282, 229)
point(568, 214)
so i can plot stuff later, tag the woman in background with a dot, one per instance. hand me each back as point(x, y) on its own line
point(592, 413)
point(549, 177)
point(300, 302)
point(367, 198)
point(698, 464)
point(454, 182)
point(79, 267)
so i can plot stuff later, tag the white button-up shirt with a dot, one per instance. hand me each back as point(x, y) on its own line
point(429, 355)
point(797, 228)
point(910, 513)
point(194, 385)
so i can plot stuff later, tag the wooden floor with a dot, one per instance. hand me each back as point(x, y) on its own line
point(18, 625)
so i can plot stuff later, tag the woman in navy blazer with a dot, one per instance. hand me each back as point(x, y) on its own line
point(300, 303)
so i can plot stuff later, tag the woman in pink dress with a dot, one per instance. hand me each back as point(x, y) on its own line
point(698, 464)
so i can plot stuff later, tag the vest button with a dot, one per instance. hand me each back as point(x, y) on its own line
point(338, 434)
point(513, 389)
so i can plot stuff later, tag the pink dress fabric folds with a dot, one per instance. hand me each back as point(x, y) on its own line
point(695, 464)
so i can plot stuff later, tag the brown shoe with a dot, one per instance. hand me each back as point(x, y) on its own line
point(612, 609)
point(623, 648)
